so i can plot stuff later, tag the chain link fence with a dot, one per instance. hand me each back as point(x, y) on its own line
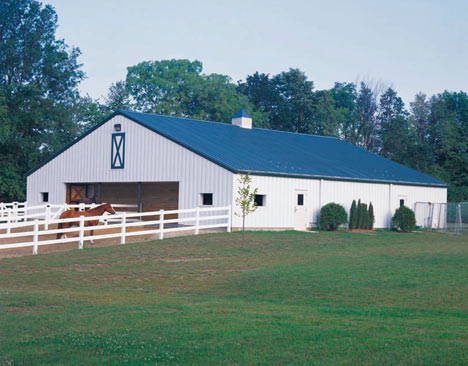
point(450, 218)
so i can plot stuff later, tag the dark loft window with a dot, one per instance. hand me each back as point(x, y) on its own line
point(402, 203)
point(45, 196)
point(300, 199)
point(259, 200)
point(207, 199)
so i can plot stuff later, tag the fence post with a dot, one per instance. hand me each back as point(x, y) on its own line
point(229, 219)
point(197, 221)
point(25, 211)
point(122, 229)
point(459, 221)
point(35, 236)
point(81, 207)
point(47, 217)
point(8, 222)
point(15, 211)
point(81, 235)
point(161, 224)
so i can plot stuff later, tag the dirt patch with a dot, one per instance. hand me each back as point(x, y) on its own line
point(364, 231)
point(185, 259)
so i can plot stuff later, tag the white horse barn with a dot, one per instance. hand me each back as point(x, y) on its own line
point(161, 162)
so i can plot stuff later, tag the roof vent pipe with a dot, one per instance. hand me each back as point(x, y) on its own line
point(242, 119)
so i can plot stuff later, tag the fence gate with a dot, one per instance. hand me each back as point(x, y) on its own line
point(451, 218)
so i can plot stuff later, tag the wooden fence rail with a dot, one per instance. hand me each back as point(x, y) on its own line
point(191, 219)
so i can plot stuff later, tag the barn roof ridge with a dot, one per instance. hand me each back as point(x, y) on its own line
point(272, 152)
point(124, 111)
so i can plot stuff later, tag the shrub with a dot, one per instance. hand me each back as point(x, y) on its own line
point(404, 219)
point(358, 215)
point(352, 216)
point(332, 215)
point(365, 217)
point(371, 216)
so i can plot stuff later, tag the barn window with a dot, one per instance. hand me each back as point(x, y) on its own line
point(260, 200)
point(45, 196)
point(207, 199)
point(118, 151)
point(402, 202)
point(300, 199)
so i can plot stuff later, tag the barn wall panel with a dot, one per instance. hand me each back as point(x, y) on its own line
point(281, 199)
point(149, 157)
point(345, 192)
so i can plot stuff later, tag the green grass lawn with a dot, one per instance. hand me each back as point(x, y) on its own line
point(288, 298)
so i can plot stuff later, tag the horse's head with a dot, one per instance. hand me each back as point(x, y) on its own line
point(108, 207)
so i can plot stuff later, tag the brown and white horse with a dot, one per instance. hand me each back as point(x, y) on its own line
point(97, 211)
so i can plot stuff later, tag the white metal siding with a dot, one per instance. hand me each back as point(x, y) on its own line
point(281, 199)
point(149, 157)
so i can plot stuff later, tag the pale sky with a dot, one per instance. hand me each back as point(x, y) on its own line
point(412, 45)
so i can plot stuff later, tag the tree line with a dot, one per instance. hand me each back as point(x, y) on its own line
point(41, 108)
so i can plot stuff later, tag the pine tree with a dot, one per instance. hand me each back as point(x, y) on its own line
point(358, 215)
point(365, 217)
point(352, 215)
point(371, 216)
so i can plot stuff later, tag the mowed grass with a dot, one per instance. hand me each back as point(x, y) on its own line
point(288, 298)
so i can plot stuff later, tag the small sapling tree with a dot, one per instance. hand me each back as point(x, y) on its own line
point(245, 200)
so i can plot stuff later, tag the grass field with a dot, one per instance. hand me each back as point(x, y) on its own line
point(288, 298)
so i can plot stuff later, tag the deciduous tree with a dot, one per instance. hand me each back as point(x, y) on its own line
point(39, 75)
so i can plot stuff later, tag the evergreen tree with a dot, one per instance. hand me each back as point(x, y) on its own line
point(352, 216)
point(371, 216)
point(365, 217)
point(358, 215)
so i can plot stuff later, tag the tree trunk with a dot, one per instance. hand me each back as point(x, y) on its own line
point(243, 229)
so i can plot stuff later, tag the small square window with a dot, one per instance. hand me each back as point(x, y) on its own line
point(207, 199)
point(260, 200)
point(45, 196)
point(300, 199)
point(402, 202)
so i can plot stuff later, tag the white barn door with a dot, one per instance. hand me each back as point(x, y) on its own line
point(300, 210)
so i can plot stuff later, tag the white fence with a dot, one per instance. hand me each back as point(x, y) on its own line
point(154, 223)
point(20, 212)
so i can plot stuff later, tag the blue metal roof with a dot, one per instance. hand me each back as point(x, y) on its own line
point(269, 152)
point(241, 113)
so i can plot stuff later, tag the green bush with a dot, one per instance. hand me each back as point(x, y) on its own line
point(332, 215)
point(365, 217)
point(371, 216)
point(404, 219)
point(358, 215)
point(352, 216)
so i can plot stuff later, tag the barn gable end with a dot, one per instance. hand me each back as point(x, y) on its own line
point(147, 157)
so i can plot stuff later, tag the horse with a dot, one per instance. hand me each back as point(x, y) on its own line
point(97, 211)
